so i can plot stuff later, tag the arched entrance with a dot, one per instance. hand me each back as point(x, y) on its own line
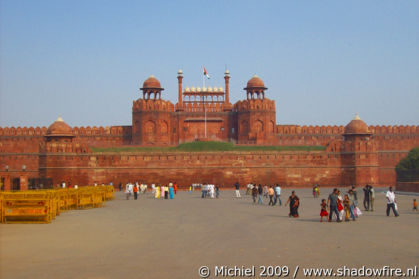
point(16, 184)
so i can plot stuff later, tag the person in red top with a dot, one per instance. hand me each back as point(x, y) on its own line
point(175, 187)
point(323, 211)
point(135, 191)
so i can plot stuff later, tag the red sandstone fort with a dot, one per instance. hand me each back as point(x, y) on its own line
point(353, 155)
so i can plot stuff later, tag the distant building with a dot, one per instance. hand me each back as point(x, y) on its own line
point(353, 155)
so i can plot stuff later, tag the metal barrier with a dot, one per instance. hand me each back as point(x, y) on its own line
point(42, 206)
point(26, 211)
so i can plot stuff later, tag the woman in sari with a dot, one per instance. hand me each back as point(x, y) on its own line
point(157, 194)
point(294, 202)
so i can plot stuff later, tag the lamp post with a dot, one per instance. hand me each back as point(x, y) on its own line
point(23, 167)
point(6, 168)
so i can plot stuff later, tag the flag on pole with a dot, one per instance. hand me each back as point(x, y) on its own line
point(206, 73)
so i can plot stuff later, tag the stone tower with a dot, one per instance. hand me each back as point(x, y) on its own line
point(152, 116)
point(255, 115)
point(359, 156)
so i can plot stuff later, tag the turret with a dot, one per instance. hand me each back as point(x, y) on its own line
point(360, 157)
point(151, 116)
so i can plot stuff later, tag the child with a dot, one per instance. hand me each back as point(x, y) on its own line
point(347, 207)
point(323, 211)
point(415, 205)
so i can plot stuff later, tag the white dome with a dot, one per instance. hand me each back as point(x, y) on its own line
point(198, 89)
point(193, 89)
point(204, 89)
point(220, 89)
point(187, 89)
point(209, 89)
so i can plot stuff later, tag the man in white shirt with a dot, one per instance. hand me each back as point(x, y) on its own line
point(391, 202)
point(278, 195)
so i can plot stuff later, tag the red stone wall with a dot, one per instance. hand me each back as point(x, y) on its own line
point(291, 169)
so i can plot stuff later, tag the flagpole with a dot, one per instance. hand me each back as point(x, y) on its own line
point(205, 111)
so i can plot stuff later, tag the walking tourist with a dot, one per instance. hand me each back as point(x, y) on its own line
point(340, 205)
point(166, 192)
point(135, 191)
point(391, 202)
point(415, 205)
point(323, 210)
point(260, 193)
point(212, 191)
point(372, 197)
point(294, 202)
point(347, 207)
point(355, 196)
point(332, 201)
point(278, 195)
point(249, 189)
point(265, 191)
point(203, 190)
point(171, 192)
point(254, 193)
point(367, 193)
point(217, 191)
point(175, 187)
point(352, 207)
point(128, 190)
point(157, 193)
point(237, 185)
point(271, 193)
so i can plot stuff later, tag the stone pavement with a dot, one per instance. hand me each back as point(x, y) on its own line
point(150, 238)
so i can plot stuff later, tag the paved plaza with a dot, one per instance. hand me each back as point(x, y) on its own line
point(148, 238)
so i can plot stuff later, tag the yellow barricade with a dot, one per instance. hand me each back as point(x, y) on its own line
point(25, 210)
point(42, 206)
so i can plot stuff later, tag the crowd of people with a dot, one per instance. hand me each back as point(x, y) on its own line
point(158, 191)
point(210, 191)
point(338, 206)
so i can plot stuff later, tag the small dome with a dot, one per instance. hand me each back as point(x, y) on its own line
point(220, 89)
point(180, 72)
point(204, 89)
point(255, 82)
point(193, 89)
point(357, 127)
point(152, 82)
point(209, 89)
point(187, 89)
point(198, 89)
point(59, 128)
point(227, 72)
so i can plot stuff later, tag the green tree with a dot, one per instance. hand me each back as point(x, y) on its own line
point(411, 162)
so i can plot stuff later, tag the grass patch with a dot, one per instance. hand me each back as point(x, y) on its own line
point(200, 146)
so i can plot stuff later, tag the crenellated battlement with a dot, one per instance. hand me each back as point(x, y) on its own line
point(152, 105)
point(255, 105)
point(100, 131)
point(309, 130)
point(394, 130)
point(23, 131)
point(338, 130)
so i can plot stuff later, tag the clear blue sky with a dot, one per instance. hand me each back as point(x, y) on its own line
point(322, 61)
